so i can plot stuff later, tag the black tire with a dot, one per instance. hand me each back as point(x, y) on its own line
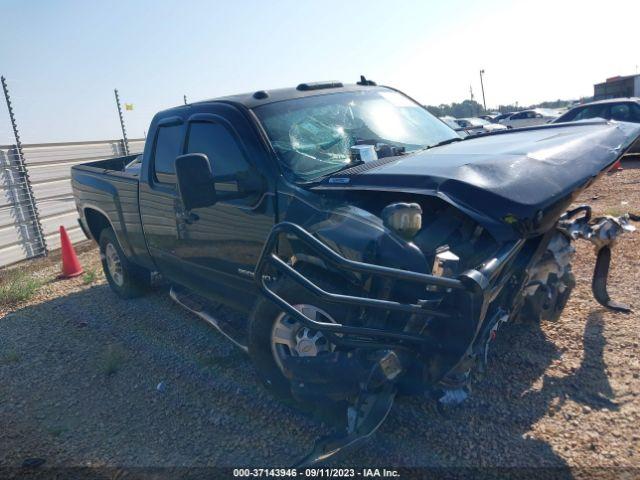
point(130, 281)
point(266, 312)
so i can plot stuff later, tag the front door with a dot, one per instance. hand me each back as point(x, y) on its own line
point(221, 244)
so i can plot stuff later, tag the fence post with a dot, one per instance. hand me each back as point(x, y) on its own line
point(125, 142)
point(23, 173)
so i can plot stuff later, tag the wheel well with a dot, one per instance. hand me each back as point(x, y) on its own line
point(96, 222)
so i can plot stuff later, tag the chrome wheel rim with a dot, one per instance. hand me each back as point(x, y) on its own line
point(114, 265)
point(289, 338)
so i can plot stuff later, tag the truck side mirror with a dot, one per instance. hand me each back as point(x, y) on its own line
point(196, 185)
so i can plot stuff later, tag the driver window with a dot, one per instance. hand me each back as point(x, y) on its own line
point(222, 149)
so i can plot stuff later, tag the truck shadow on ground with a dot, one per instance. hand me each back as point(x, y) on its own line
point(212, 411)
point(493, 429)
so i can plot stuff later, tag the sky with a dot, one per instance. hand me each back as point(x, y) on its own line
point(62, 59)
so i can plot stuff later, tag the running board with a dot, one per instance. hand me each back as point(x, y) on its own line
point(192, 302)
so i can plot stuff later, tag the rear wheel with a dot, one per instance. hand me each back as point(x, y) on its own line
point(125, 278)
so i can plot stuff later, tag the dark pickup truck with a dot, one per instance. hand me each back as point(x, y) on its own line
point(374, 251)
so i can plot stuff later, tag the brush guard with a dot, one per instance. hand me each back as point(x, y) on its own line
point(479, 284)
point(478, 287)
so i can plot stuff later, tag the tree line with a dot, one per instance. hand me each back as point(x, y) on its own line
point(471, 108)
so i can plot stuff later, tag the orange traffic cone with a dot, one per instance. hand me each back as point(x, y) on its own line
point(616, 166)
point(70, 264)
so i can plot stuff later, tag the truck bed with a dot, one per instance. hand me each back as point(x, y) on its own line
point(107, 191)
point(128, 165)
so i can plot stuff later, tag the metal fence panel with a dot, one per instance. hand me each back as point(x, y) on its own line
point(49, 171)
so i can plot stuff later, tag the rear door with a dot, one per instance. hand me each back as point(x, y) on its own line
point(158, 198)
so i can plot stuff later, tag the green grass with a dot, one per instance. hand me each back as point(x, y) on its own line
point(615, 211)
point(112, 360)
point(17, 286)
point(58, 430)
point(90, 276)
point(206, 361)
point(10, 357)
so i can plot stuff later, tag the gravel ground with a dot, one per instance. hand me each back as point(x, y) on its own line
point(90, 379)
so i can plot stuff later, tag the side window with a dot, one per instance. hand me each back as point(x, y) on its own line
point(635, 113)
point(167, 148)
point(580, 114)
point(219, 145)
point(573, 115)
point(517, 116)
point(621, 112)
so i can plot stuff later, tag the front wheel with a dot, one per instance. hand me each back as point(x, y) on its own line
point(275, 335)
point(125, 278)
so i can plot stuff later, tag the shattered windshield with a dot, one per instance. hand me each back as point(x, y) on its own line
point(312, 136)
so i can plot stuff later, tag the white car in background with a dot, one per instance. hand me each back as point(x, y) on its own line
point(478, 125)
point(472, 125)
point(529, 118)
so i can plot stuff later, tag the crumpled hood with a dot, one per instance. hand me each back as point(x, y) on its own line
point(516, 183)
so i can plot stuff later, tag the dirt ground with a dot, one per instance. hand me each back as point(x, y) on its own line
point(88, 379)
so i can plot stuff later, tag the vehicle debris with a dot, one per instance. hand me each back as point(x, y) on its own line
point(602, 232)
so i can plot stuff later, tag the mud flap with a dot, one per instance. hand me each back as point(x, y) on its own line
point(371, 411)
point(599, 283)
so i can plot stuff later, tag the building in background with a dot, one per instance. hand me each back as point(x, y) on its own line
point(627, 86)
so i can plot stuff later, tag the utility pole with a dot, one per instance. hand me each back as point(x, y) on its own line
point(482, 87)
point(32, 207)
point(125, 142)
point(472, 99)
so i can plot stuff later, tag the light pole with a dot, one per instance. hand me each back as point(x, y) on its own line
point(482, 87)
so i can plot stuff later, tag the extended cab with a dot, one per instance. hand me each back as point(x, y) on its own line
point(374, 251)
